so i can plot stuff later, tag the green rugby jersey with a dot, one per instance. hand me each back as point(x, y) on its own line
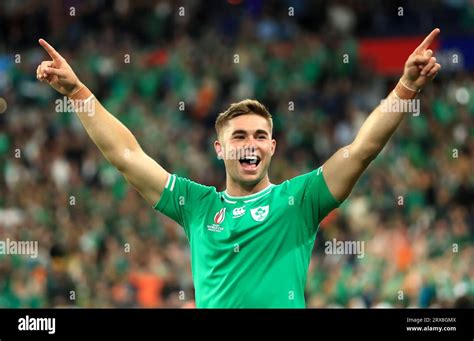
point(251, 251)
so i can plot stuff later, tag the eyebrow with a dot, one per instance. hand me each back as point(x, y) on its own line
point(244, 132)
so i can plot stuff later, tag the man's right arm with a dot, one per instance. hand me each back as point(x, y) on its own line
point(115, 141)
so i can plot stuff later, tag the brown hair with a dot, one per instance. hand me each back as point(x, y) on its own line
point(245, 107)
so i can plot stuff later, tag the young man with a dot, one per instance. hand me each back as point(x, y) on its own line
point(250, 244)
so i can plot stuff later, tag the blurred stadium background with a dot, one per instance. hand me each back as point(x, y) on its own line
point(62, 193)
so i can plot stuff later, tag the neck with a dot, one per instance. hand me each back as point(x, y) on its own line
point(238, 189)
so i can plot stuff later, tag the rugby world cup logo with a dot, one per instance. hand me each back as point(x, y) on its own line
point(219, 217)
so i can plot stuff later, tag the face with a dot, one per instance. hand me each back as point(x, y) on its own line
point(246, 145)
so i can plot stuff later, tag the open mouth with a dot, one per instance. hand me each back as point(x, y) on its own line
point(250, 162)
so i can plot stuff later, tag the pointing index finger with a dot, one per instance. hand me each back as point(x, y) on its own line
point(51, 51)
point(428, 40)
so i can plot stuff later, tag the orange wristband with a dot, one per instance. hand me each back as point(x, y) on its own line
point(82, 93)
point(82, 100)
point(404, 92)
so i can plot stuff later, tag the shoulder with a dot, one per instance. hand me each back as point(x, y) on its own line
point(182, 184)
point(303, 179)
point(182, 190)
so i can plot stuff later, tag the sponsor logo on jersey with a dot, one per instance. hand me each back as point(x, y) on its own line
point(259, 213)
point(238, 212)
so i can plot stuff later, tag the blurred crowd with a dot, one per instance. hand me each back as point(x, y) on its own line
point(166, 76)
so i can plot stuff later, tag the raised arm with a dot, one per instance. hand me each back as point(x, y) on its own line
point(344, 168)
point(114, 140)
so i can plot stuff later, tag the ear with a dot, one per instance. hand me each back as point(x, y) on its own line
point(274, 143)
point(219, 149)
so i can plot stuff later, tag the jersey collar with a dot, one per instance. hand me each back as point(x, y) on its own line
point(250, 197)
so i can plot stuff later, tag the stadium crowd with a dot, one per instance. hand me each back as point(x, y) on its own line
point(166, 77)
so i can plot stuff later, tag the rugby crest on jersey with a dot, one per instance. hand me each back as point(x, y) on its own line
point(218, 219)
point(260, 213)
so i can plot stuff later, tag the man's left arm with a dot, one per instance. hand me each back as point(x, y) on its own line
point(343, 169)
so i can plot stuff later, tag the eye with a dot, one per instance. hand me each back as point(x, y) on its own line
point(239, 137)
point(260, 137)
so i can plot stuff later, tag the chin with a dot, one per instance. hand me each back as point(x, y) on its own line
point(251, 178)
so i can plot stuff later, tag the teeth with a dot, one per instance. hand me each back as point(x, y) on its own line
point(250, 159)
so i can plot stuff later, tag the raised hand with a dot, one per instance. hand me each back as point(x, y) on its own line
point(57, 72)
point(421, 66)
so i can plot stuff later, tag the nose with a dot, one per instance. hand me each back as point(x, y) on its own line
point(251, 144)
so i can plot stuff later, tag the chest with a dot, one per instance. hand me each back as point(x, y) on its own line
point(230, 226)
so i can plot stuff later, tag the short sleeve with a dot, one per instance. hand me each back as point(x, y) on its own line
point(181, 199)
point(313, 195)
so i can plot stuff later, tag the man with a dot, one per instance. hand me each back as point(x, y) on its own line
point(250, 244)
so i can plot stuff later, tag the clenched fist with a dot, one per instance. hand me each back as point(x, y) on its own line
point(57, 72)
